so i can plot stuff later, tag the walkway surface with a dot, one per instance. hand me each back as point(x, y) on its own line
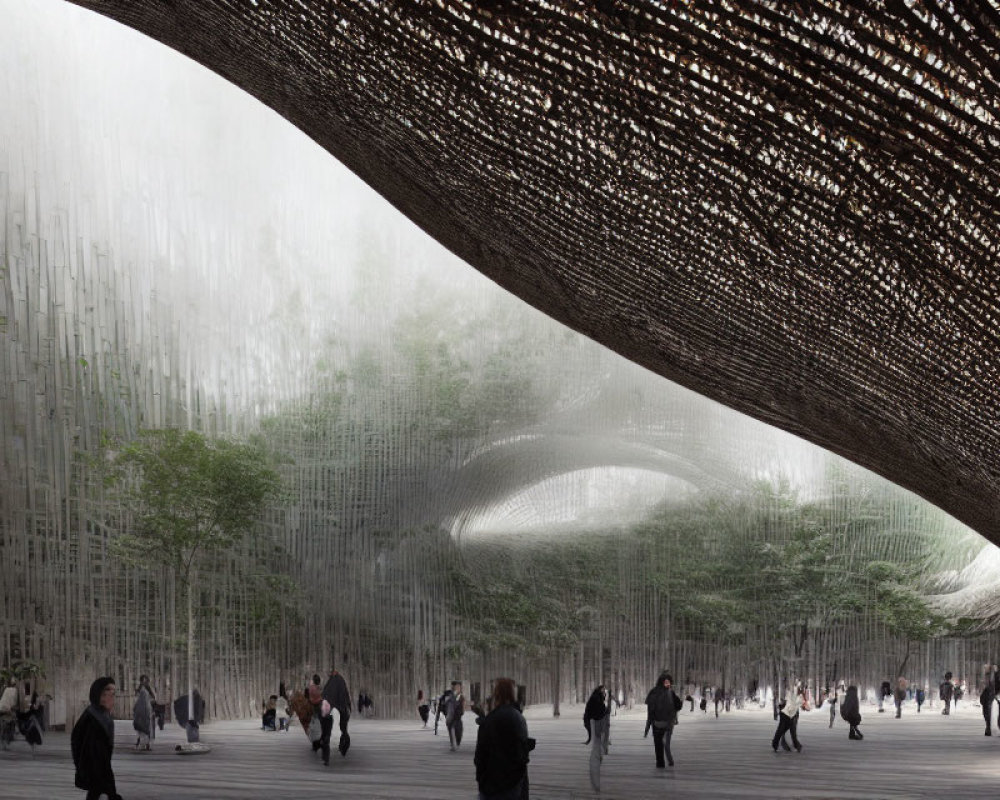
point(925, 756)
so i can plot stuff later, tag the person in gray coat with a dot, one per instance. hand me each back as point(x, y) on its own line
point(662, 705)
point(142, 715)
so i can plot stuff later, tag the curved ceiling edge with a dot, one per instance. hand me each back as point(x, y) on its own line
point(786, 216)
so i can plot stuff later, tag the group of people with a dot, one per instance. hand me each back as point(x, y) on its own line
point(20, 715)
point(502, 745)
point(276, 716)
point(847, 700)
point(323, 699)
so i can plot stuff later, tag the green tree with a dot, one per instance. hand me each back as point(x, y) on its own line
point(189, 497)
point(901, 608)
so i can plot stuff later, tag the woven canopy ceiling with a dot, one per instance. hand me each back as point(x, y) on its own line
point(789, 207)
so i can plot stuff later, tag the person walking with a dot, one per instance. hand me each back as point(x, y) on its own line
point(92, 743)
point(142, 716)
point(502, 747)
point(836, 698)
point(597, 722)
point(439, 708)
point(454, 709)
point(945, 691)
point(423, 707)
point(662, 705)
point(336, 694)
point(899, 695)
point(986, 697)
point(885, 690)
point(788, 717)
point(850, 711)
point(920, 695)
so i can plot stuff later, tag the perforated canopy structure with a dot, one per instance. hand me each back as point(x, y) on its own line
point(788, 207)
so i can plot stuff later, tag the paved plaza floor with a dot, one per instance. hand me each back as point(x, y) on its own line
point(917, 756)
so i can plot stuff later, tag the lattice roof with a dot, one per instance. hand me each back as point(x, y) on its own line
point(788, 207)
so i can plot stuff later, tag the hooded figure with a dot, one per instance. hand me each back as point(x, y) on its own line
point(142, 717)
point(336, 694)
point(93, 742)
point(597, 723)
point(850, 711)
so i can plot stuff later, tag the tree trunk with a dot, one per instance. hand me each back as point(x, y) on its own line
point(556, 682)
point(192, 725)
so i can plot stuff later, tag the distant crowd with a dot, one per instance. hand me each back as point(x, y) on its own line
point(503, 746)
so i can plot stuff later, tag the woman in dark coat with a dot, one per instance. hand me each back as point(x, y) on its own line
point(502, 748)
point(850, 710)
point(93, 741)
point(596, 721)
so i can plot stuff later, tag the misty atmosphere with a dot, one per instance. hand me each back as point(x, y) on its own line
point(468, 488)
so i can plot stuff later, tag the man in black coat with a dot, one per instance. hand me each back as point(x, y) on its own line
point(93, 742)
point(662, 706)
point(336, 694)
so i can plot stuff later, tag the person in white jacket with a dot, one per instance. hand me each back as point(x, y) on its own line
point(836, 698)
point(8, 713)
point(788, 717)
point(281, 712)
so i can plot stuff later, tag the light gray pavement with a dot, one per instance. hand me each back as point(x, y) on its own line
point(925, 756)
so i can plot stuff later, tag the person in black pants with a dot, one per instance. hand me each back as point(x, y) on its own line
point(662, 705)
point(986, 702)
point(850, 711)
point(788, 717)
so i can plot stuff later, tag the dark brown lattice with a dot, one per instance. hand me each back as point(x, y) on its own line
point(788, 207)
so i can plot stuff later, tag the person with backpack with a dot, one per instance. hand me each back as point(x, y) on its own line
point(662, 705)
point(439, 708)
point(454, 709)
